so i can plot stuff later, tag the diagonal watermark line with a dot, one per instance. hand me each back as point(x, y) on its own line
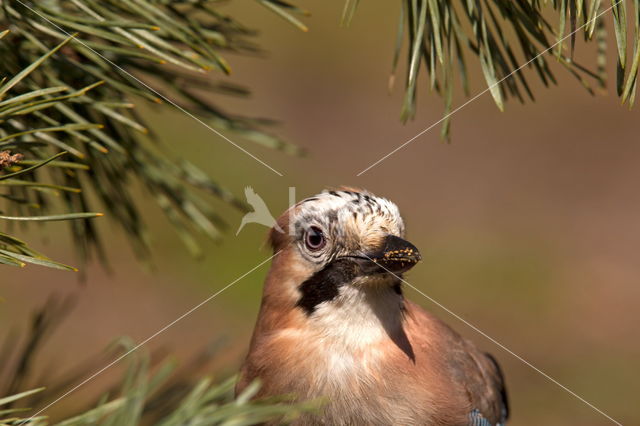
point(145, 341)
point(151, 89)
point(503, 347)
point(488, 89)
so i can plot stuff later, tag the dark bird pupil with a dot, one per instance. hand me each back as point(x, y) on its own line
point(315, 238)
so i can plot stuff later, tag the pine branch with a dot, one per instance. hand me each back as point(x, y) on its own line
point(150, 391)
point(503, 35)
point(79, 96)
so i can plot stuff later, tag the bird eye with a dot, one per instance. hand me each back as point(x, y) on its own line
point(314, 238)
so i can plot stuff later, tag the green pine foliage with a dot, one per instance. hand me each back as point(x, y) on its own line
point(72, 73)
point(140, 400)
point(151, 390)
point(504, 36)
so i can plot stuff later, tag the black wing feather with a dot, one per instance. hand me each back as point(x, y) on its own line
point(503, 388)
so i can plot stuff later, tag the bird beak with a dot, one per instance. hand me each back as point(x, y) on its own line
point(396, 256)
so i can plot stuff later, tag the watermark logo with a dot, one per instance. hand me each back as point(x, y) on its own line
point(261, 213)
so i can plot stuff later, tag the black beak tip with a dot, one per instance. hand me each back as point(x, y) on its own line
point(398, 255)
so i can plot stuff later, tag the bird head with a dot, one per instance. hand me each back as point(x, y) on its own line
point(338, 238)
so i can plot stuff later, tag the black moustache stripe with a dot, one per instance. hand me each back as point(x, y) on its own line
point(324, 285)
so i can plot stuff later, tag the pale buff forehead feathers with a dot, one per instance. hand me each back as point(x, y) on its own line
point(359, 217)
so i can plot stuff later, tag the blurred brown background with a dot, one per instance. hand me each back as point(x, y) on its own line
point(528, 220)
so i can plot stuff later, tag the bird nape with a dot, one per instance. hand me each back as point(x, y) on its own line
point(334, 325)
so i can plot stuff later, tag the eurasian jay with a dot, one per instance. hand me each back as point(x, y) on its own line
point(334, 324)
